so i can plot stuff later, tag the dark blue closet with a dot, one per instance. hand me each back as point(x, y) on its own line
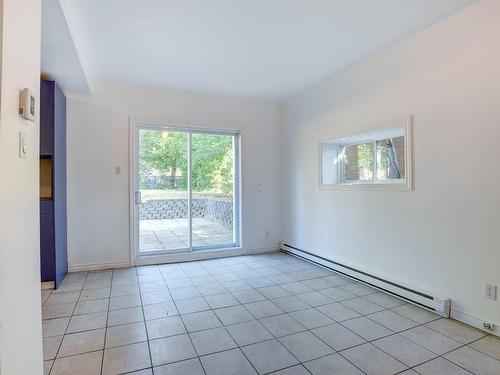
point(53, 222)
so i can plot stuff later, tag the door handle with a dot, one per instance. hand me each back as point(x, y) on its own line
point(138, 197)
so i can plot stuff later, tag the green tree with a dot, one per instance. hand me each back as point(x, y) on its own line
point(210, 164)
point(166, 153)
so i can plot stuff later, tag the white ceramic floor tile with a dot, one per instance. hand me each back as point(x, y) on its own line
point(249, 296)
point(87, 322)
point(160, 310)
point(338, 337)
point(263, 309)
point(404, 350)
point(136, 305)
point(392, 321)
point(229, 362)
point(62, 298)
point(218, 301)
point(474, 361)
point(415, 313)
point(123, 302)
point(294, 370)
point(212, 340)
point(200, 320)
point(315, 298)
point(57, 311)
point(332, 364)
point(188, 367)
point(455, 330)
point(305, 346)
point(89, 307)
point(281, 325)
point(385, 300)
point(55, 327)
point(366, 328)
point(269, 356)
point(165, 327)
point(489, 345)
point(125, 334)
point(47, 366)
point(92, 294)
point(125, 316)
point(248, 333)
point(82, 342)
point(171, 349)
point(127, 358)
point(431, 340)
point(338, 311)
point(362, 305)
point(311, 318)
point(190, 305)
point(82, 364)
point(372, 360)
point(233, 315)
point(51, 346)
point(440, 366)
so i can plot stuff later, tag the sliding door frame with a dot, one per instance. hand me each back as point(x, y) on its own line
point(135, 127)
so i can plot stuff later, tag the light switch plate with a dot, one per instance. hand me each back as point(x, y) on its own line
point(23, 147)
point(27, 105)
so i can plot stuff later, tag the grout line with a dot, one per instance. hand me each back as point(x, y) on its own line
point(144, 319)
point(69, 322)
point(106, 324)
point(264, 265)
point(184, 324)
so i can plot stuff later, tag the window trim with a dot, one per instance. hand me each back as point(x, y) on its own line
point(402, 184)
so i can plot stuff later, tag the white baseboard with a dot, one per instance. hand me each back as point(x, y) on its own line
point(475, 321)
point(170, 258)
point(200, 255)
point(97, 266)
point(460, 316)
point(47, 285)
point(410, 293)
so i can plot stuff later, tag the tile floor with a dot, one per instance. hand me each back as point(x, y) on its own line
point(248, 315)
point(172, 234)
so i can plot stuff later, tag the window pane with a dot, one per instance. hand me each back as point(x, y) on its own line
point(358, 162)
point(213, 171)
point(390, 159)
point(163, 183)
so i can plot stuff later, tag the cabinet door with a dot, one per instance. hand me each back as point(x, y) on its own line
point(47, 118)
point(60, 215)
point(47, 259)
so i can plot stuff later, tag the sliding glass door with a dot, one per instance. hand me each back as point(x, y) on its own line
point(212, 186)
point(186, 189)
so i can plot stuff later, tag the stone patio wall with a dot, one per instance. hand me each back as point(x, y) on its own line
point(219, 210)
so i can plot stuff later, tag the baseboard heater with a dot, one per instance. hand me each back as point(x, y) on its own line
point(438, 304)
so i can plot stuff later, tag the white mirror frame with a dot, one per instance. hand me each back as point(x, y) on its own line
point(405, 185)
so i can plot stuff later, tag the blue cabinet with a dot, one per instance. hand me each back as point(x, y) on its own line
point(53, 218)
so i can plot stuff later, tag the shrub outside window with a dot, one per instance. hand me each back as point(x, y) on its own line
point(377, 159)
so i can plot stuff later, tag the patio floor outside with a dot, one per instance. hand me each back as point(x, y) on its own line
point(173, 234)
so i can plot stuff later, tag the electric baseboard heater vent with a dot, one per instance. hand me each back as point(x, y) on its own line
point(438, 304)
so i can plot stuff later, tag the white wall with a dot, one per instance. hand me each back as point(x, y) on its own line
point(443, 236)
point(20, 311)
point(98, 140)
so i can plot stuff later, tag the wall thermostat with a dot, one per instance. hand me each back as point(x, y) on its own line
point(27, 105)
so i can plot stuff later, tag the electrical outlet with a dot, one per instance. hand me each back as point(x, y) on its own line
point(491, 291)
point(489, 326)
point(267, 233)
